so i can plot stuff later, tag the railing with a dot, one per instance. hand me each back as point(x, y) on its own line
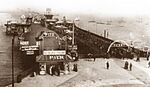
point(97, 44)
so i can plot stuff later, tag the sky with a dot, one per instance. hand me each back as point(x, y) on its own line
point(110, 7)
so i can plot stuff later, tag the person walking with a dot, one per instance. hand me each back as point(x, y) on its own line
point(57, 70)
point(68, 67)
point(107, 64)
point(126, 65)
point(147, 57)
point(50, 69)
point(130, 66)
point(53, 70)
point(89, 56)
point(148, 64)
point(94, 59)
point(138, 58)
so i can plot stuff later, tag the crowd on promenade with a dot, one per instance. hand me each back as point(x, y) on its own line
point(127, 65)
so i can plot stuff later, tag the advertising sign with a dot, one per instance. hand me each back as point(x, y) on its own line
point(27, 48)
point(24, 42)
point(49, 58)
point(49, 34)
point(72, 47)
point(54, 52)
point(118, 45)
point(30, 52)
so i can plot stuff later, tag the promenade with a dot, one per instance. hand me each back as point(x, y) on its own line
point(95, 74)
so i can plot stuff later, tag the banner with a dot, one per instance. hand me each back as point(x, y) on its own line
point(29, 52)
point(27, 48)
point(24, 42)
point(54, 52)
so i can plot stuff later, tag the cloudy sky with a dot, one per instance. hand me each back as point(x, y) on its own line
point(113, 7)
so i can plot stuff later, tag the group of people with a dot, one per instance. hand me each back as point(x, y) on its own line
point(128, 65)
point(54, 70)
point(90, 55)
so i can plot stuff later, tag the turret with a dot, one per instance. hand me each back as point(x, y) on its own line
point(48, 14)
point(29, 20)
point(49, 21)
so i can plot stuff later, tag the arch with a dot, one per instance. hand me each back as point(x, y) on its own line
point(120, 41)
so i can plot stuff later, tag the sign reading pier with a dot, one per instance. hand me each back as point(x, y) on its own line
point(52, 55)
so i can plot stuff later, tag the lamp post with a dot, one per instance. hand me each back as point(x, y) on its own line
point(73, 34)
point(13, 60)
point(76, 19)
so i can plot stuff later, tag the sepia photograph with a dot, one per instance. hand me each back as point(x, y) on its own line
point(74, 43)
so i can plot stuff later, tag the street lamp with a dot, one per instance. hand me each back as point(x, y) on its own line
point(12, 55)
point(73, 34)
point(76, 19)
point(13, 60)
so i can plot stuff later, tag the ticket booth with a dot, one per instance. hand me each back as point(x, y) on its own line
point(49, 59)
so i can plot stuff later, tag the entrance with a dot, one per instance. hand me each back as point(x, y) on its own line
point(118, 49)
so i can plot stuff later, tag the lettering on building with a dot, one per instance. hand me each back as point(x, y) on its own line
point(54, 52)
point(49, 58)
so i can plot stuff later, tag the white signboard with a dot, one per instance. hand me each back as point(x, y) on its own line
point(54, 52)
point(72, 47)
point(50, 58)
point(118, 45)
point(49, 34)
point(56, 57)
point(26, 48)
point(24, 42)
point(30, 52)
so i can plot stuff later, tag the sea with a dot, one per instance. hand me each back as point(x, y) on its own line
point(5, 53)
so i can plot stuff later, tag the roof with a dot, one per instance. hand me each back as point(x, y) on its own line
point(61, 26)
point(60, 22)
point(51, 20)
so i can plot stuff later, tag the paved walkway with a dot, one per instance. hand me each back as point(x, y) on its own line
point(45, 80)
point(140, 69)
point(95, 74)
point(141, 66)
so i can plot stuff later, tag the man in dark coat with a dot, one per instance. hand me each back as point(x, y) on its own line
point(53, 70)
point(130, 66)
point(148, 64)
point(94, 59)
point(57, 70)
point(147, 57)
point(126, 65)
point(107, 65)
